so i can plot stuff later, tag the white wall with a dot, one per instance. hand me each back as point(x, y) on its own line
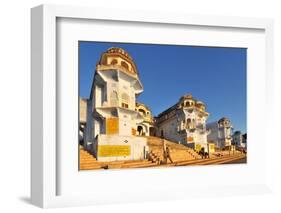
point(126, 124)
point(138, 146)
point(170, 131)
point(125, 87)
point(15, 96)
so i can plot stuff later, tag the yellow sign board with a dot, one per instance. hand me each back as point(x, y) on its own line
point(112, 126)
point(114, 150)
point(197, 147)
point(211, 147)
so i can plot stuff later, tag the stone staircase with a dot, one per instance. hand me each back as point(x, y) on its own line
point(89, 162)
point(178, 152)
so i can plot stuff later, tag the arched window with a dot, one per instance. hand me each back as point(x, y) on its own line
point(140, 130)
point(125, 65)
point(193, 123)
point(125, 100)
point(113, 62)
point(188, 123)
point(114, 98)
point(142, 111)
point(188, 103)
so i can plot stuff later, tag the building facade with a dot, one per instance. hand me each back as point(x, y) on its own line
point(147, 126)
point(220, 133)
point(112, 104)
point(82, 119)
point(237, 139)
point(245, 140)
point(185, 123)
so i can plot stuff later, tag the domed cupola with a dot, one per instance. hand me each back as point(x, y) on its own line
point(200, 105)
point(117, 58)
point(187, 101)
point(224, 122)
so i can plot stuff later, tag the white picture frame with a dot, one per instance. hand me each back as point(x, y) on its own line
point(45, 180)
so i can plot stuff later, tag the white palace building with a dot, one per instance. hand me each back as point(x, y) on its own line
point(185, 123)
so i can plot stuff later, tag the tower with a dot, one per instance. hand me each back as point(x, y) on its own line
point(220, 133)
point(193, 122)
point(112, 101)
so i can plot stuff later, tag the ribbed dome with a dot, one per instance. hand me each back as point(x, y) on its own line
point(187, 96)
point(119, 58)
point(189, 101)
point(223, 119)
point(120, 51)
point(199, 103)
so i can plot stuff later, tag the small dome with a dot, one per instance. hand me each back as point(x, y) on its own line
point(141, 105)
point(119, 51)
point(187, 96)
point(118, 57)
point(145, 111)
point(224, 121)
point(200, 105)
point(237, 133)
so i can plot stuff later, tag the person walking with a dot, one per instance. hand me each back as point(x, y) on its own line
point(166, 153)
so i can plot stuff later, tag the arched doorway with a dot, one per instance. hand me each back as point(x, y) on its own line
point(140, 130)
point(152, 131)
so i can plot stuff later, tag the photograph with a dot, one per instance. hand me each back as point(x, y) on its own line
point(161, 105)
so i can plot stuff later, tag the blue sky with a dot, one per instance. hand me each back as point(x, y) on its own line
point(216, 76)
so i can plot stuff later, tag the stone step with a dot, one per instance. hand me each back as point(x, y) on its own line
point(90, 158)
point(87, 156)
point(115, 162)
point(205, 161)
point(88, 162)
point(219, 160)
point(141, 166)
point(135, 164)
point(115, 165)
point(87, 167)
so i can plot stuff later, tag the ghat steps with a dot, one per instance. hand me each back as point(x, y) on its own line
point(180, 155)
point(213, 161)
point(88, 161)
point(178, 152)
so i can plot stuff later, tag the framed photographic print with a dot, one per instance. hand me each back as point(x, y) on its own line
point(149, 106)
